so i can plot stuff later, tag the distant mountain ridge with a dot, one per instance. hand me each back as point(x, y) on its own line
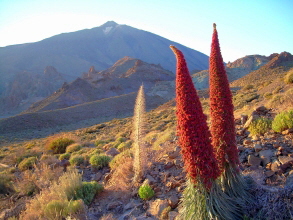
point(72, 53)
point(124, 77)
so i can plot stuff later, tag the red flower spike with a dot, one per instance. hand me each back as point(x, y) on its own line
point(221, 108)
point(194, 135)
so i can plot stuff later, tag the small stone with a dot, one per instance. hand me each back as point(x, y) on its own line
point(257, 147)
point(173, 201)
point(173, 155)
point(168, 165)
point(172, 215)
point(247, 142)
point(177, 162)
point(253, 160)
point(97, 176)
point(288, 131)
point(151, 179)
point(285, 159)
point(275, 166)
point(112, 152)
point(113, 205)
point(241, 148)
point(269, 173)
point(266, 156)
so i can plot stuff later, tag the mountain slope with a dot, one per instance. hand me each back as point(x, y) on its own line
point(73, 117)
point(124, 77)
point(72, 53)
point(235, 70)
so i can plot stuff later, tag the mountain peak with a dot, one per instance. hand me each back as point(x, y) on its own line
point(109, 23)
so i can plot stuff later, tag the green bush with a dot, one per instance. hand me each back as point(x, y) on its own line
point(59, 209)
point(260, 126)
point(64, 156)
point(146, 192)
point(100, 161)
point(27, 163)
point(59, 145)
point(283, 121)
point(87, 191)
point(73, 148)
point(289, 77)
point(124, 146)
point(268, 95)
point(76, 160)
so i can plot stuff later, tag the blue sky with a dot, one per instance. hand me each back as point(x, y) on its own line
point(245, 27)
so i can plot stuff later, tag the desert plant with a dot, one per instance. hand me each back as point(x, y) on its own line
point(197, 152)
point(248, 87)
point(268, 95)
point(260, 126)
point(283, 121)
point(59, 145)
point(276, 101)
point(124, 146)
point(76, 160)
point(289, 77)
point(73, 148)
point(146, 192)
point(140, 151)
point(27, 163)
point(100, 161)
point(64, 156)
point(87, 191)
point(223, 127)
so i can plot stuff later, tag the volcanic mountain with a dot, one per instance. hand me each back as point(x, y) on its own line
point(72, 53)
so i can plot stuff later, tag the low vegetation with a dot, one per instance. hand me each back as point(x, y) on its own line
point(289, 77)
point(59, 145)
point(283, 121)
point(146, 192)
point(260, 126)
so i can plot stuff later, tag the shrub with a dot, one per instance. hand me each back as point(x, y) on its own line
point(59, 145)
point(120, 159)
point(100, 142)
point(283, 121)
point(146, 192)
point(59, 209)
point(27, 163)
point(260, 126)
point(5, 184)
point(289, 77)
point(124, 146)
point(73, 148)
point(76, 160)
point(99, 161)
point(87, 191)
point(64, 156)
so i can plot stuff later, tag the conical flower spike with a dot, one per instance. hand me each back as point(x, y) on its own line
point(194, 135)
point(221, 107)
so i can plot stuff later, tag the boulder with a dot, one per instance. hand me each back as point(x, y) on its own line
point(173, 201)
point(112, 152)
point(172, 215)
point(285, 159)
point(257, 147)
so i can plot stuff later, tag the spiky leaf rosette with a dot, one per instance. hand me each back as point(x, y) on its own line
point(221, 108)
point(192, 129)
point(140, 154)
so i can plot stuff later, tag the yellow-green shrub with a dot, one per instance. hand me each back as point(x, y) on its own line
point(289, 77)
point(260, 126)
point(76, 160)
point(145, 192)
point(100, 161)
point(73, 148)
point(27, 163)
point(64, 156)
point(120, 158)
point(283, 121)
point(59, 145)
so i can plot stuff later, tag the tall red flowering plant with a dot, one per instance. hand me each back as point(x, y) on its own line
point(221, 108)
point(192, 129)
point(223, 127)
point(202, 198)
